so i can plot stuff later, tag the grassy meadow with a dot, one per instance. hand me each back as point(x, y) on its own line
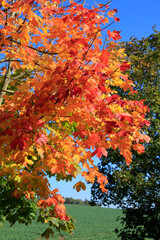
point(94, 223)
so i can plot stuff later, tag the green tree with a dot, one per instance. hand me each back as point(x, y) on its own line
point(136, 188)
point(69, 200)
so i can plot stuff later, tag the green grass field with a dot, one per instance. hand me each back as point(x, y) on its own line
point(94, 223)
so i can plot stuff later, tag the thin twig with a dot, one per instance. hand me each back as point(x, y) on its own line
point(40, 51)
point(89, 47)
point(113, 72)
point(100, 30)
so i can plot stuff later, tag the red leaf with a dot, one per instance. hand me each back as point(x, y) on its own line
point(14, 143)
point(104, 56)
point(99, 152)
point(20, 141)
point(6, 132)
point(125, 116)
point(116, 19)
point(94, 138)
point(110, 125)
point(76, 91)
point(102, 88)
point(112, 98)
point(145, 122)
point(51, 201)
point(115, 35)
point(125, 66)
point(101, 180)
point(123, 133)
point(115, 10)
point(82, 134)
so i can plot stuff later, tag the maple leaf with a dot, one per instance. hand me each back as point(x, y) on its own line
point(112, 12)
point(76, 91)
point(124, 66)
point(82, 134)
point(79, 185)
point(16, 194)
point(109, 125)
point(40, 151)
point(102, 179)
point(60, 210)
point(41, 139)
point(115, 35)
point(123, 133)
point(102, 88)
point(145, 122)
point(94, 138)
point(51, 201)
point(138, 147)
point(115, 10)
point(20, 142)
point(116, 19)
point(125, 116)
point(99, 152)
point(105, 56)
point(112, 98)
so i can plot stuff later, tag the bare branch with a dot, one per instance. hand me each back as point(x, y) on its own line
point(7, 91)
point(89, 46)
point(18, 80)
point(100, 30)
point(20, 76)
point(5, 83)
point(113, 72)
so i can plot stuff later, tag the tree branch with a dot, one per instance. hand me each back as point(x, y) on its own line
point(5, 83)
point(7, 91)
point(37, 50)
point(20, 76)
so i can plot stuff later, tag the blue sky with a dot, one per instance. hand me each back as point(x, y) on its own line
point(136, 19)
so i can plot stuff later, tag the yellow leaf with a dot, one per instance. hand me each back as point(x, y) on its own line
point(5, 4)
point(40, 151)
point(34, 157)
point(106, 20)
point(17, 178)
point(30, 162)
point(77, 157)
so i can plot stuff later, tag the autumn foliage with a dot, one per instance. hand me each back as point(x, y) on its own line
point(64, 109)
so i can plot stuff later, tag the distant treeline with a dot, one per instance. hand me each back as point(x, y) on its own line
point(76, 201)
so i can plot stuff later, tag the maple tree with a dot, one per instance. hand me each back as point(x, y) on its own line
point(58, 107)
